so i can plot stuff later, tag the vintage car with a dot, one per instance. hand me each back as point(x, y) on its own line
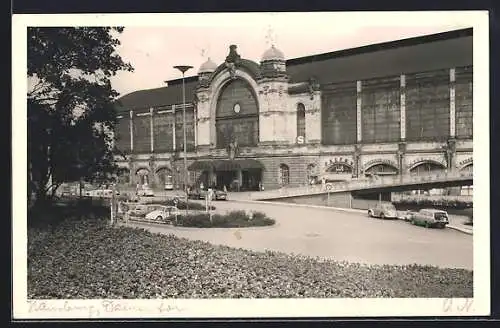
point(194, 193)
point(408, 215)
point(220, 195)
point(138, 210)
point(429, 218)
point(161, 213)
point(383, 210)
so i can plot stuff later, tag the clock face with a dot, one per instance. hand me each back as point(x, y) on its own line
point(237, 108)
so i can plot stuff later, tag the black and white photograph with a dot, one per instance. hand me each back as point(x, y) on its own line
point(251, 165)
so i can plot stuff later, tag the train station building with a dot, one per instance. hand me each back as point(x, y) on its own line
point(400, 107)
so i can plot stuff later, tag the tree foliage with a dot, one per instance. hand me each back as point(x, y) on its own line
point(71, 104)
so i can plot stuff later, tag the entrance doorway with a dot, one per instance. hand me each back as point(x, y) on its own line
point(227, 179)
point(251, 179)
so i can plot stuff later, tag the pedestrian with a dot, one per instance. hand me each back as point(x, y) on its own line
point(323, 182)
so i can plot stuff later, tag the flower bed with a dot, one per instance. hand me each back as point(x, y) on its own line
point(234, 219)
point(88, 259)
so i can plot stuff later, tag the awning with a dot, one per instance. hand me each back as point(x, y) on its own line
point(226, 165)
point(235, 164)
point(249, 163)
point(201, 166)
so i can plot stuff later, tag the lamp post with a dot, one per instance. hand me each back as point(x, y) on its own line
point(183, 69)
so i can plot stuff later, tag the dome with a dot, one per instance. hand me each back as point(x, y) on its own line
point(273, 54)
point(207, 67)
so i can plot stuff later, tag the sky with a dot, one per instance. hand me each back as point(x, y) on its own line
point(154, 47)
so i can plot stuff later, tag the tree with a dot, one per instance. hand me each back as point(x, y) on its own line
point(70, 100)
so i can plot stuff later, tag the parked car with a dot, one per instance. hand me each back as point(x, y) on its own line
point(139, 210)
point(383, 210)
point(408, 215)
point(145, 191)
point(430, 218)
point(161, 213)
point(220, 195)
point(194, 193)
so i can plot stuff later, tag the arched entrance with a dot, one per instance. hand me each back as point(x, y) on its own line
point(164, 177)
point(142, 176)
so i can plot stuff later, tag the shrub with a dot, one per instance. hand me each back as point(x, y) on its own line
point(234, 219)
point(77, 260)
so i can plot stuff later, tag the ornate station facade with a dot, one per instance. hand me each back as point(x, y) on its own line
point(402, 107)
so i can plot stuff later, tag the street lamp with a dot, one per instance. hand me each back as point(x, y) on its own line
point(183, 69)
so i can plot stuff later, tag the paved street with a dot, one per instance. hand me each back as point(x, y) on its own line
point(338, 235)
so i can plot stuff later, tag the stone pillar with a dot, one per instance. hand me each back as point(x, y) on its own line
point(152, 175)
point(195, 126)
point(173, 129)
point(452, 102)
point(131, 171)
point(313, 120)
point(402, 121)
point(151, 124)
point(358, 111)
point(450, 155)
point(202, 117)
point(131, 131)
point(240, 179)
point(357, 156)
point(401, 153)
point(273, 112)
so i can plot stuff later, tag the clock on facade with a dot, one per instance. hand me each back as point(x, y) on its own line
point(236, 108)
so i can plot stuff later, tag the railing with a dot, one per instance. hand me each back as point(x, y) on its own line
point(360, 184)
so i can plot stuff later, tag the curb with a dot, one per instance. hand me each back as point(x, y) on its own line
point(180, 228)
point(466, 231)
point(349, 210)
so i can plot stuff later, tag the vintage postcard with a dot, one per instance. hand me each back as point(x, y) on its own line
point(247, 165)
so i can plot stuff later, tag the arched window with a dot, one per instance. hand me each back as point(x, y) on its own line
point(381, 169)
point(237, 115)
point(284, 174)
point(143, 176)
point(301, 121)
point(426, 168)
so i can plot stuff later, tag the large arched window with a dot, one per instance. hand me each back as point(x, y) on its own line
point(284, 174)
point(237, 115)
point(301, 122)
point(427, 168)
point(381, 169)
